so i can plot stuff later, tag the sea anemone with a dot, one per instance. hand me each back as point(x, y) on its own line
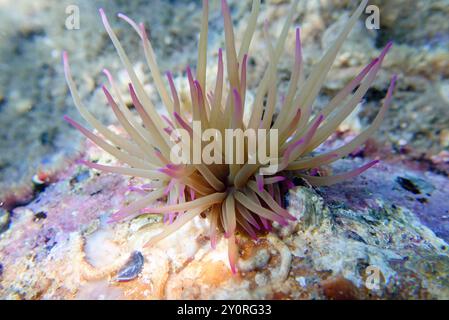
point(235, 198)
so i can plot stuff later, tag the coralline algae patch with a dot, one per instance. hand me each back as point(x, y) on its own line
point(422, 192)
point(62, 246)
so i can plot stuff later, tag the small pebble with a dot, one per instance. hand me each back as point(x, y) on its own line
point(408, 185)
point(40, 216)
point(23, 106)
point(444, 91)
point(444, 138)
point(4, 220)
point(302, 281)
point(132, 267)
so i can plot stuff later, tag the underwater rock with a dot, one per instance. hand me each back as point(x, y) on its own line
point(340, 241)
point(383, 235)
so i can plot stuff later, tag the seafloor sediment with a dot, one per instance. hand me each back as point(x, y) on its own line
point(55, 241)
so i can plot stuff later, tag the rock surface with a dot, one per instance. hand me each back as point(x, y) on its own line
point(366, 239)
